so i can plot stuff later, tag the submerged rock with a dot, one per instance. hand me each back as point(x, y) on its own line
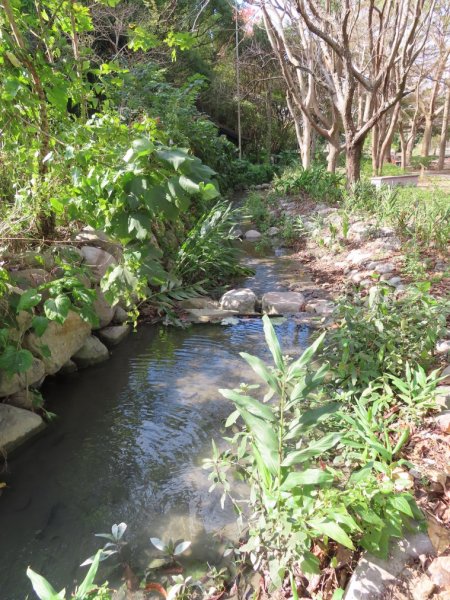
point(93, 352)
point(16, 426)
point(198, 302)
point(112, 336)
point(242, 300)
point(208, 315)
point(252, 235)
point(281, 303)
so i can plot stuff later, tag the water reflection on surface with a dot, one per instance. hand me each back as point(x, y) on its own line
point(127, 446)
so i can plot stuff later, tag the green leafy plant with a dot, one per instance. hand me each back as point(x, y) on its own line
point(315, 182)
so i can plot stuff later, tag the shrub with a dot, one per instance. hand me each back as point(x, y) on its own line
point(315, 182)
point(379, 335)
point(209, 254)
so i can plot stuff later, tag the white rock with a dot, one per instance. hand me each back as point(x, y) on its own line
point(360, 230)
point(97, 260)
point(91, 237)
point(384, 268)
point(92, 353)
point(443, 347)
point(252, 235)
point(395, 281)
point(16, 426)
point(443, 396)
point(358, 257)
point(12, 384)
point(241, 300)
point(112, 336)
point(273, 231)
point(102, 309)
point(320, 306)
point(372, 575)
point(280, 303)
point(62, 341)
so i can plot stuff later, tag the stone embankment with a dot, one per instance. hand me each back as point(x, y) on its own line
point(62, 348)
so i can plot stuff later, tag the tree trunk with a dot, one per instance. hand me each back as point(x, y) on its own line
point(427, 134)
point(444, 130)
point(353, 154)
point(306, 143)
point(333, 155)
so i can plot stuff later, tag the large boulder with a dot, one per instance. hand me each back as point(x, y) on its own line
point(16, 426)
point(97, 260)
point(102, 309)
point(30, 278)
point(10, 384)
point(242, 300)
point(282, 303)
point(61, 340)
point(93, 352)
point(91, 237)
point(112, 336)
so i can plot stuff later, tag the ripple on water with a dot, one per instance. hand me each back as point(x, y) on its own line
point(128, 446)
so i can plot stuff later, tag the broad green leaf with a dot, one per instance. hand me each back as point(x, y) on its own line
point(401, 503)
point(298, 366)
point(39, 324)
point(332, 530)
point(57, 309)
point(175, 157)
point(43, 588)
point(260, 369)
point(314, 448)
point(15, 361)
point(307, 477)
point(250, 404)
point(28, 300)
point(310, 563)
point(265, 439)
point(317, 415)
point(272, 342)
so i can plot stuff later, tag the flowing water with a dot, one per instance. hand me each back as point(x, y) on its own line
point(128, 445)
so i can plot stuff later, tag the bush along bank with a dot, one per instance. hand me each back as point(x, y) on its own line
point(360, 432)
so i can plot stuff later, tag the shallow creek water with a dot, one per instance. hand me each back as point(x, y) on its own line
point(128, 445)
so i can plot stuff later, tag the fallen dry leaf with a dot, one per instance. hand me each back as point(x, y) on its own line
point(439, 536)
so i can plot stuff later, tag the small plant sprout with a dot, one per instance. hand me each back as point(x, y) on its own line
point(170, 549)
point(113, 546)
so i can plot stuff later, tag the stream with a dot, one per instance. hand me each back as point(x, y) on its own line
point(128, 443)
